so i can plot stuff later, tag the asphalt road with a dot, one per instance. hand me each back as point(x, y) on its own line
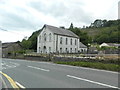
point(34, 74)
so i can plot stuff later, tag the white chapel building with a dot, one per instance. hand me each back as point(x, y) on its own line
point(57, 40)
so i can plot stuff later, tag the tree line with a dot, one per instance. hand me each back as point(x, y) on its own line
point(109, 31)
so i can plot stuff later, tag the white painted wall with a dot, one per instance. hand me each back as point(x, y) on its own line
point(68, 46)
point(104, 44)
point(41, 44)
point(82, 49)
point(55, 43)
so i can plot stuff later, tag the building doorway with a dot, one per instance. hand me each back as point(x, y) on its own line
point(44, 49)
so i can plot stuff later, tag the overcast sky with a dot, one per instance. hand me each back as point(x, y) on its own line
point(22, 17)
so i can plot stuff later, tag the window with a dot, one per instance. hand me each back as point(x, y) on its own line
point(45, 37)
point(75, 41)
point(71, 41)
point(75, 50)
point(39, 39)
point(60, 40)
point(71, 50)
point(66, 50)
point(49, 49)
point(82, 50)
point(60, 50)
point(50, 37)
point(39, 50)
point(66, 41)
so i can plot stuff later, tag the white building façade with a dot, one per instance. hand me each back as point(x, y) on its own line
point(57, 40)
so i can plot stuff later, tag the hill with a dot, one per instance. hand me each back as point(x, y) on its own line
point(110, 32)
point(98, 32)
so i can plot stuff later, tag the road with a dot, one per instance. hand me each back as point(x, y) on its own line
point(34, 74)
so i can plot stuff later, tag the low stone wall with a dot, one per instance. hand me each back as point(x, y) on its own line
point(37, 58)
point(107, 58)
point(70, 59)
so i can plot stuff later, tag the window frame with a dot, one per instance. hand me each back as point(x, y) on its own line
point(50, 37)
point(61, 40)
point(71, 41)
point(66, 41)
point(45, 37)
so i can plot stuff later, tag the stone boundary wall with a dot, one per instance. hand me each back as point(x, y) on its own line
point(69, 59)
point(106, 58)
point(37, 58)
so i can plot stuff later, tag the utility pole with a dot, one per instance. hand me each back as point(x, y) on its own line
point(0, 50)
point(119, 10)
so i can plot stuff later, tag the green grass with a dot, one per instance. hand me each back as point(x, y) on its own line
point(97, 65)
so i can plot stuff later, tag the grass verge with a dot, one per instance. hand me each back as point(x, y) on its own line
point(97, 65)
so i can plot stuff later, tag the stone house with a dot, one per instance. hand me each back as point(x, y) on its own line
point(82, 48)
point(9, 49)
point(110, 45)
point(57, 40)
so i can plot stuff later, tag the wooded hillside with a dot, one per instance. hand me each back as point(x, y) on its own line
point(98, 32)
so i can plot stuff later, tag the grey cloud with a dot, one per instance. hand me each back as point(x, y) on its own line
point(55, 9)
point(67, 12)
point(15, 20)
point(64, 12)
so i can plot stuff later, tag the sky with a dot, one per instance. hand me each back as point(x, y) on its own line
point(23, 17)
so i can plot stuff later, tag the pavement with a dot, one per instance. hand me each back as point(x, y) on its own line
point(18, 73)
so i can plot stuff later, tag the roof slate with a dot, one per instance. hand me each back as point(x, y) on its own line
point(113, 44)
point(82, 45)
point(60, 31)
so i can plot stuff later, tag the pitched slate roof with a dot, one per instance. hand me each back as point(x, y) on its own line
point(81, 45)
point(5, 45)
point(113, 44)
point(60, 31)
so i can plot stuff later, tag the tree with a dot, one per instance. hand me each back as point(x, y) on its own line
point(33, 40)
point(84, 38)
point(25, 44)
point(71, 26)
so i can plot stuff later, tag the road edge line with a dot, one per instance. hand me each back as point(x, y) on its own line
point(94, 82)
point(21, 86)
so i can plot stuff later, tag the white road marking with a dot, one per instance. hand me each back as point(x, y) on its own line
point(19, 85)
point(94, 82)
point(14, 63)
point(39, 68)
point(3, 68)
point(8, 66)
point(2, 63)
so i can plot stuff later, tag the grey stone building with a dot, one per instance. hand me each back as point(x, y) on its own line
point(9, 49)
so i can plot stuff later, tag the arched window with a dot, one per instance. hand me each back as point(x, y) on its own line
point(60, 50)
point(75, 50)
point(49, 49)
point(50, 37)
point(71, 50)
point(66, 41)
point(66, 50)
point(45, 37)
point(39, 39)
point(39, 49)
point(75, 42)
point(60, 40)
point(71, 41)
